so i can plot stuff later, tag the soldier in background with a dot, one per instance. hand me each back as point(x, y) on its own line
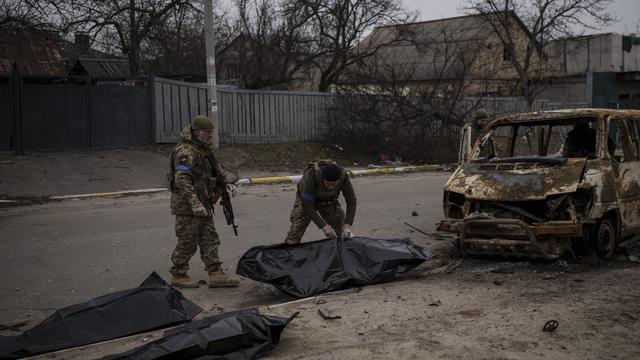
point(479, 121)
point(470, 132)
point(317, 201)
point(195, 175)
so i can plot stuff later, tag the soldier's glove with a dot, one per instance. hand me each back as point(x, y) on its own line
point(232, 189)
point(200, 211)
point(329, 232)
point(346, 232)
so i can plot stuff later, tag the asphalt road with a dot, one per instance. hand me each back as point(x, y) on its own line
point(58, 254)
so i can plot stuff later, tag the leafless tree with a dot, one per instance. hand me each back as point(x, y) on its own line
point(267, 46)
point(38, 15)
point(131, 22)
point(545, 20)
point(408, 101)
point(334, 28)
point(175, 47)
point(116, 25)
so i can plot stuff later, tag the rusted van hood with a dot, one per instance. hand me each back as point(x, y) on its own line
point(515, 182)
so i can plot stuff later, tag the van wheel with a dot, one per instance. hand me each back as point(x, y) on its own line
point(604, 238)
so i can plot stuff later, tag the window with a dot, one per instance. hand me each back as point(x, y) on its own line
point(508, 52)
point(576, 137)
point(623, 140)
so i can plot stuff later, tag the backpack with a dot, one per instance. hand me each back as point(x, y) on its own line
point(315, 165)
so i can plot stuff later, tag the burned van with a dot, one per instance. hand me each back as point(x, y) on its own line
point(542, 184)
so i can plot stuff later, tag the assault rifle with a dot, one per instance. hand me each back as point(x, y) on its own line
point(222, 193)
point(225, 201)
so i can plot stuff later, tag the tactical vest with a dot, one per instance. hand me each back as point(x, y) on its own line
point(203, 178)
point(322, 193)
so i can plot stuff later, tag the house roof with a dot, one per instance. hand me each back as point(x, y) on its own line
point(462, 28)
point(436, 49)
point(102, 68)
point(40, 53)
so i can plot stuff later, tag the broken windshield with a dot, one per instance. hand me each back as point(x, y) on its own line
point(542, 141)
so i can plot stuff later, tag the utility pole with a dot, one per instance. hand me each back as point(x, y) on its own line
point(210, 41)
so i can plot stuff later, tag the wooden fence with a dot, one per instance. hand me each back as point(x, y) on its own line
point(244, 116)
point(248, 116)
point(262, 117)
point(176, 104)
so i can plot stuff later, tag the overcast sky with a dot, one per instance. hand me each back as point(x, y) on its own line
point(628, 11)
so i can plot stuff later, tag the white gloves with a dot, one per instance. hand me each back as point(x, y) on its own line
point(346, 232)
point(329, 232)
point(232, 189)
point(200, 211)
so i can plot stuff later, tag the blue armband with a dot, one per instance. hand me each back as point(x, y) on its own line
point(183, 167)
point(306, 197)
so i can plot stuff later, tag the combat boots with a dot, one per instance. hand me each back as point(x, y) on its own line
point(183, 281)
point(220, 279)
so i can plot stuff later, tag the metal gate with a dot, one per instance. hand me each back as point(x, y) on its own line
point(44, 115)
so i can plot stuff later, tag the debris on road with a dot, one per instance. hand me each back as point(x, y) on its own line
point(451, 265)
point(328, 315)
point(14, 326)
point(152, 305)
point(631, 248)
point(243, 334)
point(503, 269)
point(562, 263)
point(550, 326)
point(417, 229)
point(470, 312)
point(327, 265)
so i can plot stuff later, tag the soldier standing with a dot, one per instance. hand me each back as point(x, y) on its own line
point(317, 201)
point(470, 132)
point(479, 121)
point(196, 176)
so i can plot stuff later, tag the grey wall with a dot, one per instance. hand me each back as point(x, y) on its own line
point(566, 90)
point(6, 117)
point(56, 117)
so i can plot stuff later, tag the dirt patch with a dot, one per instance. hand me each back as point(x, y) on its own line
point(286, 157)
point(597, 315)
point(36, 175)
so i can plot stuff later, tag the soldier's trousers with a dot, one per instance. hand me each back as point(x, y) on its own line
point(331, 213)
point(194, 232)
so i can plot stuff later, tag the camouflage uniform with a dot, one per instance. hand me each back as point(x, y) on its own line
point(193, 185)
point(314, 202)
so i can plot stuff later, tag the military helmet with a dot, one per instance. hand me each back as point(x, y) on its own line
point(482, 113)
point(202, 122)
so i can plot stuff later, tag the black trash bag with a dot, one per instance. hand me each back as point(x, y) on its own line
point(243, 334)
point(327, 265)
point(152, 305)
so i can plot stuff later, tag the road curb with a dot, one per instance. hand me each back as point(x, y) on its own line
point(250, 181)
point(108, 194)
point(364, 172)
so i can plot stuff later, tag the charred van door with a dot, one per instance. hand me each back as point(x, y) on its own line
point(624, 151)
point(465, 144)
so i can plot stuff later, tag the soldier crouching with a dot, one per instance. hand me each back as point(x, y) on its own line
point(317, 201)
